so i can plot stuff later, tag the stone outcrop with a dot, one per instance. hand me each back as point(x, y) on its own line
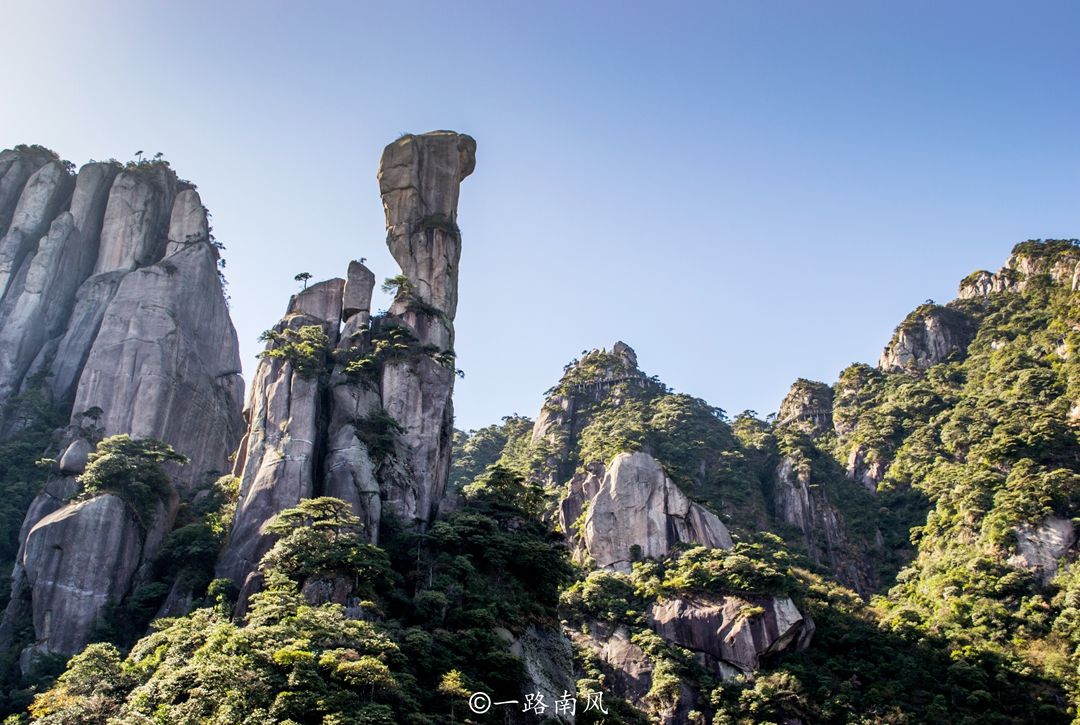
point(419, 179)
point(16, 167)
point(735, 634)
point(797, 501)
point(547, 661)
point(310, 434)
point(930, 335)
point(866, 466)
point(1060, 261)
point(47, 192)
point(165, 363)
point(103, 316)
point(278, 461)
point(640, 513)
point(78, 560)
point(810, 404)
point(1039, 546)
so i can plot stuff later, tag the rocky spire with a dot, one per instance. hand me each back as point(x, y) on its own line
point(373, 426)
point(419, 178)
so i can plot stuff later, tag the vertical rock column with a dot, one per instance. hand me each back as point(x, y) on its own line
point(350, 469)
point(419, 179)
point(278, 459)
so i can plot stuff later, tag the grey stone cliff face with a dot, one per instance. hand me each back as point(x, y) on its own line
point(279, 462)
point(79, 559)
point(147, 341)
point(930, 335)
point(639, 506)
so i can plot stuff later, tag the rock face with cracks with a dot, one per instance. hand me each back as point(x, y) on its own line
point(639, 512)
point(102, 314)
point(374, 425)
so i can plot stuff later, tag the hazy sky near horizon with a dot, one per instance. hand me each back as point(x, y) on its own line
point(745, 192)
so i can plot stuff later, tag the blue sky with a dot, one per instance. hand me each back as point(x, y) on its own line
point(745, 192)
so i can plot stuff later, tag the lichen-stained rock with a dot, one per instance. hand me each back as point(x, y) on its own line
point(639, 506)
point(1039, 546)
point(797, 501)
point(929, 335)
point(359, 285)
point(731, 630)
point(416, 393)
point(547, 661)
point(321, 301)
point(88, 203)
point(419, 179)
point(16, 167)
point(67, 355)
point(39, 301)
point(78, 560)
point(187, 222)
point(279, 463)
point(46, 193)
point(165, 363)
point(808, 403)
point(350, 472)
point(135, 227)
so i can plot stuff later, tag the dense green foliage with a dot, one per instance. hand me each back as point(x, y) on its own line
point(421, 633)
point(305, 347)
point(131, 469)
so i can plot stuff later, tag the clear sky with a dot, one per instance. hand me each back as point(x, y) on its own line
point(745, 192)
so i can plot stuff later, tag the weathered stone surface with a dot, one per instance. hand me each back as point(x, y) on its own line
point(419, 179)
point(136, 223)
point(810, 404)
point(46, 192)
point(1023, 265)
point(39, 300)
point(581, 489)
point(74, 458)
point(16, 167)
point(638, 505)
point(627, 667)
point(321, 300)
point(1040, 546)
point(350, 471)
point(71, 350)
point(358, 288)
point(930, 335)
point(549, 667)
point(416, 393)
point(279, 463)
point(187, 223)
point(733, 630)
point(866, 466)
point(77, 560)
point(88, 202)
point(796, 501)
point(165, 363)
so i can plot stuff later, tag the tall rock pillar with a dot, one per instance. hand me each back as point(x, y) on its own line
point(419, 179)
